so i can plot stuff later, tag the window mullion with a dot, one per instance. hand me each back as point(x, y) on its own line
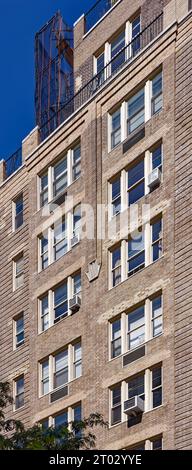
point(123, 399)
point(147, 240)
point(123, 121)
point(50, 183)
point(70, 362)
point(148, 96)
point(123, 333)
point(147, 167)
point(123, 260)
point(69, 167)
point(147, 381)
point(148, 325)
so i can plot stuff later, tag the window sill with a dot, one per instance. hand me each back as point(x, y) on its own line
point(58, 388)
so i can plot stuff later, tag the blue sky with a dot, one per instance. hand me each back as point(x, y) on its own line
point(20, 20)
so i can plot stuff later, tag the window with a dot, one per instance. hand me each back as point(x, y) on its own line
point(140, 324)
point(19, 330)
point(136, 253)
point(116, 405)
point(156, 387)
point(61, 419)
point(157, 158)
point(99, 64)
point(45, 377)
point(116, 338)
point(53, 305)
point(60, 176)
point(136, 182)
point(135, 111)
point(60, 302)
point(19, 392)
point(136, 38)
point(157, 321)
point(18, 272)
point(136, 327)
point(156, 234)
point(157, 98)
point(156, 443)
point(117, 57)
point(44, 251)
point(44, 189)
point(76, 411)
point(18, 212)
point(44, 310)
point(61, 369)
point(76, 279)
point(76, 162)
point(77, 357)
point(115, 128)
point(116, 266)
point(60, 245)
point(45, 424)
point(77, 221)
point(136, 387)
point(116, 196)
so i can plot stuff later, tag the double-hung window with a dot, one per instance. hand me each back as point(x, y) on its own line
point(136, 111)
point(157, 94)
point(19, 330)
point(99, 68)
point(44, 189)
point(77, 360)
point(115, 128)
point(60, 302)
point(118, 52)
point(156, 157)
point(19, 392)
point(116, 266)
point(18, 272)
point(156, 387)
point(60, 174)
point(136, 387)
point(116, 405)
point(44, 312)
point(18, 212)
point(61, 369)
point(76, 162)
point(116, 195)
point(136, 182)
point(156, 239)
point(76, 284)
point(157, 315)
point(136, 327)
point(45, 377)
point(60, 245)
point(116, 338)
point(136, 37)
point(77, 221)
point(43, 240)
point(61, 419)
point(136, 252)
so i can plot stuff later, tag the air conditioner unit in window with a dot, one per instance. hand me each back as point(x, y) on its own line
point(154, 178)
point(75, 303)
point(75, 240)
point(134, 406)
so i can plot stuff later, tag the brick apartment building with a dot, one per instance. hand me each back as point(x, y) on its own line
point(104, 324)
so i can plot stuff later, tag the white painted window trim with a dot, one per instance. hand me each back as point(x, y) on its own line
point(51, 360)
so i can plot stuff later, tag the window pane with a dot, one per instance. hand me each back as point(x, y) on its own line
point(156, 230)
point(116, 258)
point(116, 347)
point(77, 220)
point(157, 444)
point(136, 173)
point(77, 283)
point(157, 157)
point(77, 351)
point(20, 386)
point(136, 25)
point(157, 306)
point(45, 424)
point(116, 396)
point(136, 387)
point(61, 360)
point(116, 196)
point(44, 181)
point(136, 245)
point(156, 377)
point(61, 420)
point(136, 327)
point(157, 84)
point(136, 193)
point(19, 266)
point(60, 294)
point(116, 120)
point(60, 168)
point(116, 415)
point(135, 103)
point(116, 329)
point(19, 324)
point(157, 397)
point(136, 28)
point(116, 46)
point(136, 121)
point(100, 62)
point(116, 128)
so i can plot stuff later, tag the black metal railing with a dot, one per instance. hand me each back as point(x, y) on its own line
point(13, 163)
point(124, 56)
point(97, 11)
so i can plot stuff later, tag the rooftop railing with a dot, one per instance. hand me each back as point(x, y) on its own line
point(124, 56)
point(13, 163)
point(97, 12)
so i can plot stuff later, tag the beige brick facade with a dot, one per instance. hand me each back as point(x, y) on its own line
point(171, 275)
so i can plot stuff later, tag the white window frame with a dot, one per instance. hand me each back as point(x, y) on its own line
point(70, 294)
point(16, 346)
point(77, 362)
point(147, 304)
point(147, 157)
point(15, 275)
point(147, 86)
point(68, 154)
point(15, 394)
point(70, 412)
point(47, 378)
point(14, 215)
